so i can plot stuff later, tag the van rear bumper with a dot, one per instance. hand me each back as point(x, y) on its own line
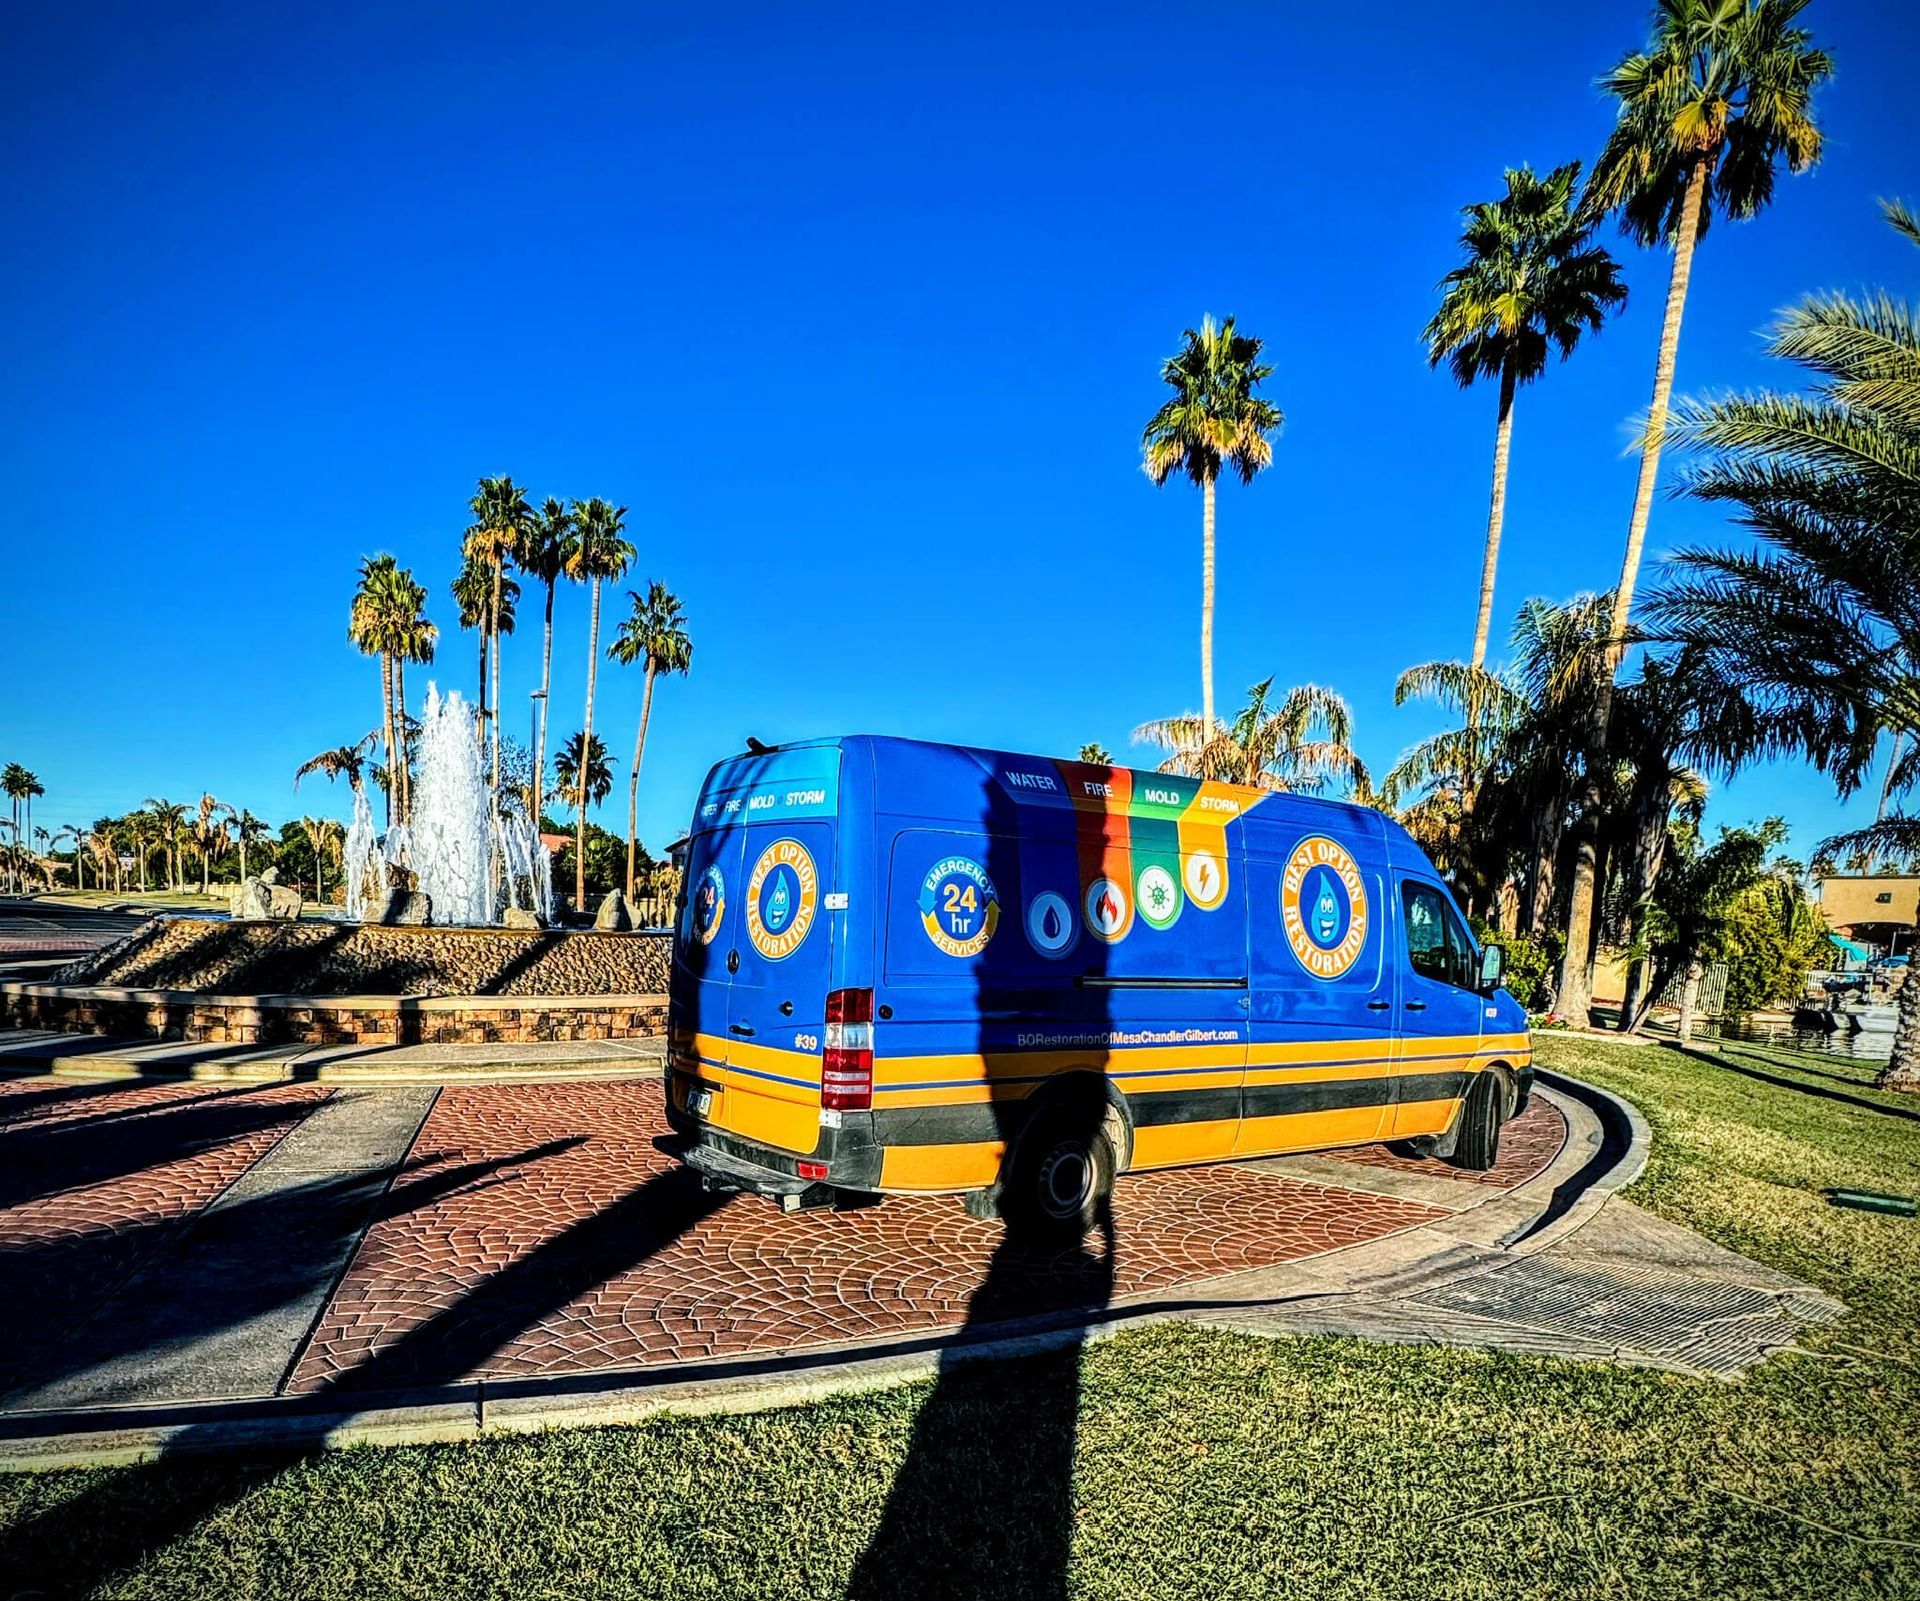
point(726, 1161)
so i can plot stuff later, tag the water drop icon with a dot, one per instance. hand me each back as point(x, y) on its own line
point(1326, 912)
point(777, 904)
point(1051, 924)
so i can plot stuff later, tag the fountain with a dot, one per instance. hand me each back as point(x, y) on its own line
point(273, 976)
point(467, 848)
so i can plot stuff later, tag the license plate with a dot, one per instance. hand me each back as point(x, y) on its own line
point(699, 1102)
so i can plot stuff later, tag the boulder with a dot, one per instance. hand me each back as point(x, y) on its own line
point(404, 908)
point(262, 900)
point(614, 916)
point(520, 917)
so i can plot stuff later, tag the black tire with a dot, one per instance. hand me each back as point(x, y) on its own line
point(1061, 1175)
point(1478, 1145)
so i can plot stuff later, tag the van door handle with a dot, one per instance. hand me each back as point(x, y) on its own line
point(1416, 1006)
point(741, 1029)
point(1378, 1006)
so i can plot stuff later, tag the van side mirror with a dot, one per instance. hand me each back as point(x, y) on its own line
point(1493, 968)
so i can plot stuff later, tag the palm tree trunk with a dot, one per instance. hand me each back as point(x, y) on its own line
point(400, 736)
point(1689, 997)
point(480, 728)
point(1902, 1071)
point(633, 783)
point(546, 694)
point(386, 725)
point(1496, 516)
point(1886, 784)
point(1206, 611)
point(586, 763)
point(1576, 988)
point(499, 568)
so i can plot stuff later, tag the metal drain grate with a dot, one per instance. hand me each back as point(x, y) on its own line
point(1710, 1325)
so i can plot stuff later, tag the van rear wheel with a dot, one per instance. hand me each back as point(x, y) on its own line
point(1061, 1176)
point(1478, 1146)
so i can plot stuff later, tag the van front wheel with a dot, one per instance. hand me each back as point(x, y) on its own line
point(1060, 1177)
point(1477, 1147)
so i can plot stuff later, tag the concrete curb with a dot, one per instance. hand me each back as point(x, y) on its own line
point(309, 1065)
point(1476, 1240)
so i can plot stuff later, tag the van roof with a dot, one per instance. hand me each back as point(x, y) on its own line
point(1050, 781)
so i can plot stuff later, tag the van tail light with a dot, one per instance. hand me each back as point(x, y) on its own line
point(846, 1073)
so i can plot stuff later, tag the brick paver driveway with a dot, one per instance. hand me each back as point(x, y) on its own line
point(538, 1231)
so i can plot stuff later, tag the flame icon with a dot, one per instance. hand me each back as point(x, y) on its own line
point(1109, 909)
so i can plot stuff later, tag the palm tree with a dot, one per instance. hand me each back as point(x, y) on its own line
point(321, 833)
point(595, 777)
point(1096, 753)
point(247, 829)
point(1820, 627)
point(500, 518)
point(1723, 92)
point(1301, 744)
point(368, 627)
point(1533, 280)
point(596, 551)
point(209, 831)
point(169, 817)
point(12, 777)
point(350, 760)
point(654, 634)
point(1214, 420)
point(73, 836)
point(542, 555)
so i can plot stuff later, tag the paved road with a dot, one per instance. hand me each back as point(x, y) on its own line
point(58, 926)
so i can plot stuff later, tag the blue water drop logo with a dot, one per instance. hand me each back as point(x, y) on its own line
point(1326, 912)
point(779, 904)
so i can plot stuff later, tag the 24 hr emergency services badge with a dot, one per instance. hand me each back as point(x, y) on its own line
point(958, 907)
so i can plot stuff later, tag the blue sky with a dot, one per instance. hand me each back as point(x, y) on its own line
point(859, 311)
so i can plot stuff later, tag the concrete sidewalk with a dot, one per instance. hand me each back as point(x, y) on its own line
point(39, 1052)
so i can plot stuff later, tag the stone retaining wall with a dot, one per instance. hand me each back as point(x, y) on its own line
point(229, 958)
point(329, 1020)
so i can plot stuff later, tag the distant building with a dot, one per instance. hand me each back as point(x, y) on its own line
point(1875, 909)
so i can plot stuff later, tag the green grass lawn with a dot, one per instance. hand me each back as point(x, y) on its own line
point(1170, 1462)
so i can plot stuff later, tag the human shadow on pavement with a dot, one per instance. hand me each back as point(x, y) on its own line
point(982, 1505)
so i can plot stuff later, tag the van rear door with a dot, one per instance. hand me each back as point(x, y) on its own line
point(780, 963)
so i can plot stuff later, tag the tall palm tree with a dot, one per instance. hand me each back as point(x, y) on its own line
point(369, 627)
point(1302, 744)
point(500, 518)
point(169, 818)
point(1214, 421)
point(1532, 281)
point(322, 833)
point(1722, 93)
point(412, 638)
point(1093, 751)
point(655, 635)
point(247, 830)
point(209, 830)
point(596, 551)
point(1820, 627)
point(13, 781)
point(542, 555)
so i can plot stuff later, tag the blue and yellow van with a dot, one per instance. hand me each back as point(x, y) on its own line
point(903, 967)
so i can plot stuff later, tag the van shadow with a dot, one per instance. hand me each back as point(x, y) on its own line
point(983, 1503)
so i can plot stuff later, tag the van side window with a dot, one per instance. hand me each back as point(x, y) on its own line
point(1437, 946)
